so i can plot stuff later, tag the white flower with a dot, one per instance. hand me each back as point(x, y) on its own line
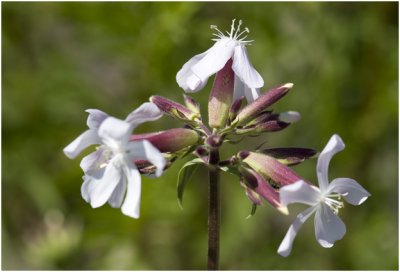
point(328, 226)
point(110, 171)
point(194, 74)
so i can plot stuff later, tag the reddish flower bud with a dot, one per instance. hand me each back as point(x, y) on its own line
point(236, 105)
point(173, 108)
point(271, 168)
point(256, 186)
point(290, 155)
point(220, 99)
point(260, 104)
point(192, 104)
point(171, 140)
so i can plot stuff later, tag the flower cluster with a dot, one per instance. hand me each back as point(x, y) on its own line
point(112, 172)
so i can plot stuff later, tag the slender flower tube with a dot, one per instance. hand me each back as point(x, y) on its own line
point(323, 201)
point(110, 175)
point(270, 168)
point(220, 99)
point(194, 74)
point(171, 140)
point(264, 101)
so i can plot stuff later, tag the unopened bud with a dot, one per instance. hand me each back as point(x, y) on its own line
point(173, 108)
point(221, 94)
point(261, 103)
point(236, 105)
point(270, 168)
point(191, 104)
point(270, 126)
point(290, 155)
point(170, 140)
point(214, 141)
point(257, 184)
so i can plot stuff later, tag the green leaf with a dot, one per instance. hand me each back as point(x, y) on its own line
point(184, 176)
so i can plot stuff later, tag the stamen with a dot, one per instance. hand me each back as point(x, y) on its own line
point(237, 30)
point(241, 33)
point(232, 28)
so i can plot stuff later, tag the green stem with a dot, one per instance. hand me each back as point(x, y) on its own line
point(213, 212)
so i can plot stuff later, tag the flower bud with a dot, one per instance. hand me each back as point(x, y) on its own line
point(173, 108)
point(256, 185)
point(170, 140)
point(236, 105)
point(191, 104)
point(290, 155)
point(270, 168)
point(260, 104)
point(221, 94)
point(270, 126)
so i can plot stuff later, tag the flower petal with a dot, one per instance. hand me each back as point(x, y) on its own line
point(89, 137)
point(328, 226)
point(114, 132)
point(95, 118)
point(334, 145)
point(251, 93)
point(185, 73)
point(146, 112)
point(299, 192)
point(117, 196)
point(286, 245)
point(145, 150)
point(215, 59)
point(93, 161)
point(353, 192)
point(244, 70)
point(131, 206)
point(238, 88)
point(101, 187)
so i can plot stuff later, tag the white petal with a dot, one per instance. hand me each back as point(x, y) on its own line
point(117, 196)
point(95, 118)
point(89, 137)
point(353, 192)
point(299, 192)
point(185, 73)
point(114, 132)
point(238, 89)
point(334, 145)
point(328, 226)
point(144, 150)
point(85, 188)
point(101, 187)
point(131, 206)
point(215, 59)
point(289, 116)
point(94, 160)
point(286, 245)
point(244, 70)
point(251, 93)
point(146, 112)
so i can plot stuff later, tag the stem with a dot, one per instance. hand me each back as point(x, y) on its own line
point(213, 211)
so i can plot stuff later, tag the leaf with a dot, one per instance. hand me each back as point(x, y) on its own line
point(230, 169)
point(184, 176)
point(253, 211)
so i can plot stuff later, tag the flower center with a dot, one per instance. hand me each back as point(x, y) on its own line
point(333, 204)
point(235, 33)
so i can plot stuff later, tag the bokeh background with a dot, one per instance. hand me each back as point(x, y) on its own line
point(59, 59)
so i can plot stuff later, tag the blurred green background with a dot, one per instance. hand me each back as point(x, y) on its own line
point(59, 59)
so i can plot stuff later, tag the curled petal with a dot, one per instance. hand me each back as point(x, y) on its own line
point(144, 150)
point(214, 60)
point(101, 187)
point(89, 137)
point(185, 73)
point(286, 245)
point(146, 112)
point(95, 118)
point(328, 226)
point(334, 145)
point(94, 160)
point(299, 192)
point(114, 132)
point(131, 205)
point(117, 196)
point(244, 70)
point(353, 192)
